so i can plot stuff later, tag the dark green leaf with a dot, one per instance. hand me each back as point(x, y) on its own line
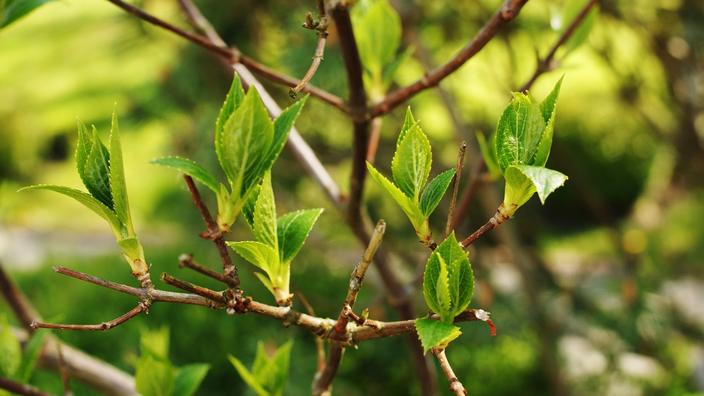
point(96, 171)
point(87, 200)
point(293, 229)
point(191, 169)
point(16, 9)
point(435, 334)
point(434, 191)
point(188, 379)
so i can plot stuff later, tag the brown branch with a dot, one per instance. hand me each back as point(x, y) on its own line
point(546, 64)
point(475, 179)
point(24, 312)
point(506, 13)
point(455, 385)
point(231, 55)
point(215, 234)
point(455, 187)
point(20, 389)
point(321, 27)
point(141, 307)
point(186, 260)
point(499, 218)
point(324, 377)
point(374, 137)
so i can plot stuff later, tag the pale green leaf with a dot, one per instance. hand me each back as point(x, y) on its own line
point(10, 352)
point(132, 249)
point(435, 334)
point(488, 152)
point(188, 379)
point(409, 207)
point(190, 168)
point(272, 372)
point(377, 28)
point(118, 185)
point(518, 131)
point(442, 289)
point(16, 9)
point(248, 377)
point(545, 181)
point(547, 108)
point(408, 123)
point(154, 377)
point(87, 200)
point(243, 144)
point(155, 343)
point(30, 355)
point(434, 191)
point(293, 230)
point(411, 164)
point(264, 278)
point(257, 253)
point(265, 214)
point(232, 101)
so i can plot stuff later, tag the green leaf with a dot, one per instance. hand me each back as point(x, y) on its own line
point(243, 143)
point(16, 9)
point(133, 251)
point(94, 170)
point(411, 164)
point(277, 373)
point(232, 101)
point(409, 207)
point(435, 334)
point(154, 377)
point(434, 191)
point(257, 253)
point(543, 180)
point(117, 178)
point(518, 131)
point(190, 168)
point(155, 343)
point(10, 352)
point(87, 200)
point(30, 356)
point(248, 377)
point(188, 379)
point(265, 214)
point(547, 109)
point(489, 154)
point(293, 229)
point(448, 281)
point(248, 208)
point(282, 126)
point(377, 28)
point(408, 123)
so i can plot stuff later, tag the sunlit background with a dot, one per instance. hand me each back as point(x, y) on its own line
point(600, 291)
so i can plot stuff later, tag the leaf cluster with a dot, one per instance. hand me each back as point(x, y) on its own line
point(269, 374)
point(410, 168)
point(519, 150)
point(17, 364)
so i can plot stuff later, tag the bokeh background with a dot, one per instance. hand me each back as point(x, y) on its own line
point(600, 291)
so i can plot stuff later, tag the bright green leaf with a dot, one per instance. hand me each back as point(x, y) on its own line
point(155, 343)
point(409, 207)
point(190, 168)
point(408, 123)
point(543, 180)
point(133, 251)
point(10, 352)
point(96, 171)
point(232, 101)
point(411, 164)
point(265, 214)
point(434, 191)
point(188, 379)
point(86, 199)
point(435, 334)
point(518, 131)
point(442, 289)
point(377, 29)
point(154, 377)
point(248, 377)
point(293, 229)
point(547, 108)
point(117, 178)
point(257, 253)
point(282, 126)
point(448, 281)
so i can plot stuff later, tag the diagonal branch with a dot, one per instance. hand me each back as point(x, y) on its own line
point(186, 260)
point(20, 389)
point(506, 13)
point(321, 28)
point(22, 309)
point(141, 307)
point(455, 385)
point(546, 64)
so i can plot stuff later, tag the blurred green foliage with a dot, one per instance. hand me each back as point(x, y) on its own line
point(618, 252)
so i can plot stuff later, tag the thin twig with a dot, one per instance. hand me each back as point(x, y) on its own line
point(455, 385)
point(321, 28)
point(214, 233)
point(455, 187)
point(319, 343)
point(20, 389)
point(24, 312)
point(141, 307)
point(186, 260)
point(499, 218)
point(546, 64)
point(323, 378)
point(374, 137)
point(506, 13)
point(475, 179)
